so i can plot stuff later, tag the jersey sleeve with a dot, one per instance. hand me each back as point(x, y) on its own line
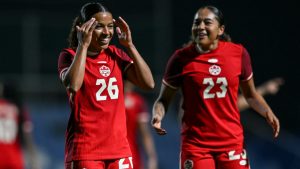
point(64, 61)
point(126, 61)
point(247, 72)
point(173, 73)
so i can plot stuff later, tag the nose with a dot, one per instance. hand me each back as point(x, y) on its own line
point(105, 30)
point(201, 25)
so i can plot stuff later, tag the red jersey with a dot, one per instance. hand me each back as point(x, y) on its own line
point(209, 83)
point(137, 111)
point(11, 121)
point(97, 125)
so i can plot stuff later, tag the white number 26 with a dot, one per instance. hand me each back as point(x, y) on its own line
point(111, 87)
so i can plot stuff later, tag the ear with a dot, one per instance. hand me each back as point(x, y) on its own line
point(221, 30)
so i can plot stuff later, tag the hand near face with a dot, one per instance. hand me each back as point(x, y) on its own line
point(85, 32)
point(123, 32)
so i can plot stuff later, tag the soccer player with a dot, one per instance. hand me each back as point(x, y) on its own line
point(138, 129)
point(15, 130)
point(92, 72)
point(209, 72)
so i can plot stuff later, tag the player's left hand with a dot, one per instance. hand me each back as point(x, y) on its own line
point(123, 32)
point(274, 122)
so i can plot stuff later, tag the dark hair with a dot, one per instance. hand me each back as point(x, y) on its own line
point(86, 13)
point(220, 18)
point(10, 91)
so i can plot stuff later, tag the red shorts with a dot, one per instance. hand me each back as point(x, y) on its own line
point(234, 159)
point(123, 163)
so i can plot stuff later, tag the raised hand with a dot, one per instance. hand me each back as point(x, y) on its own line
point(85, 32)
point(123, 32)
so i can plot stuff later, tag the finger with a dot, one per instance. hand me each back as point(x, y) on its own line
point(118, 30)
point(89, 24)
point(122, 23)
point(93, 26)
point(84, 26)
point(277, 128)
point(160, 131)
point(77, 28)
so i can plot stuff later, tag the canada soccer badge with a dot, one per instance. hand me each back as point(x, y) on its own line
point(104, 71)
point(215, 70)
point(188, 164)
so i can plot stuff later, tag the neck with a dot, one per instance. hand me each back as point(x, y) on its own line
point(200, 49)
point(91, 53)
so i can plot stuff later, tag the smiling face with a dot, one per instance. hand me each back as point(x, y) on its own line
point(206, 29)
point(103, 32)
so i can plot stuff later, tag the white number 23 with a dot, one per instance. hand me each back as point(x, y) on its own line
point(207, 91)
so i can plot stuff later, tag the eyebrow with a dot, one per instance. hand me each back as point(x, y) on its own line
point(206, 19)
point(100, 24)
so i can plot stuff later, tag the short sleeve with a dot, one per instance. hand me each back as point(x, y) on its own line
point(173, 73)
point(64, 61)
point(125, 60)
point(246, 66)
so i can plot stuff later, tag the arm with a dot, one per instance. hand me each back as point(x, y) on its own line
point(139, 73)
point(160, 107)
point(30, 146)
point(73, 77)
point(148, 144)
point(258, 103)
point(270, 87)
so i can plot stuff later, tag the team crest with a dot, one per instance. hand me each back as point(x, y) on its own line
point(188, 164)
point(214, 70)
point(104, 71)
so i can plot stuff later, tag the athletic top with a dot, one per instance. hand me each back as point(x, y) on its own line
point(97, 124)
point(12, 120)
point(209, 83)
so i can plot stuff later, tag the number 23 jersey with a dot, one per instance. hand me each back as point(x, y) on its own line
point(97, 124)
point(209, 83)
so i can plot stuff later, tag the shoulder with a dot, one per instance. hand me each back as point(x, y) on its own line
point(115, 50)
point(67, 52)
point(187, 50)
point(184, 53)
point(234, 47)
point(118, 54)
point(232, 44)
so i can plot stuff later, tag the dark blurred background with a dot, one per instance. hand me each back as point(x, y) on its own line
point(34, 32)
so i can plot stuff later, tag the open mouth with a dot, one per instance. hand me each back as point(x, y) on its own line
point(104, 40)
point(201, 35)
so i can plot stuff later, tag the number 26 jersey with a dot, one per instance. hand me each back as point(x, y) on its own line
point(97, 124)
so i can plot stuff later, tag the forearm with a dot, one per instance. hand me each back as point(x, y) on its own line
point(74, 76)
point(142, 71)
point(259, 104)
point(159, 109)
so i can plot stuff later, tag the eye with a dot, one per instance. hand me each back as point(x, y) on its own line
point(197, 22)
point(208, 21)
point(110, 26)
point(99, 27)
